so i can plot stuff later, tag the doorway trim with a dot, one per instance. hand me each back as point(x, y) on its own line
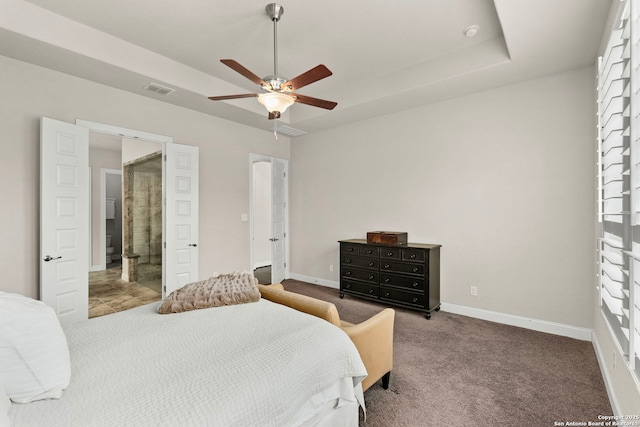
point(264, 158)
point(122, 132)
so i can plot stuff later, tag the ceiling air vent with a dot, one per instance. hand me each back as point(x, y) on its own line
point(159, 89)
point(289, 131)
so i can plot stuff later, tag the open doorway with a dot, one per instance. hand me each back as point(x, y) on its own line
point(65, 213)
point(126, 218)
point(269, 219)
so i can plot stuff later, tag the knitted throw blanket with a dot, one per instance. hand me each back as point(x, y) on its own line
point(225, 289)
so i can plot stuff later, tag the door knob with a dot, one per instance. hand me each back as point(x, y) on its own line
point(48, 258)
point(273, 239)
point(193, 244)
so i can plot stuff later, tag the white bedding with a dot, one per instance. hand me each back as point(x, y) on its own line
point(255, 364)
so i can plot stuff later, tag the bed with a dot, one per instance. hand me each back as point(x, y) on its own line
point(254, 364)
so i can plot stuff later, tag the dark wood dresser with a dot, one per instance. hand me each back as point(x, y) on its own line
point(405, 275)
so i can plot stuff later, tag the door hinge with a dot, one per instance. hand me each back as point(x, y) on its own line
point(164, 244)
point(165, 157)
point(285, 265)
point(285, 234)
point(284, 174)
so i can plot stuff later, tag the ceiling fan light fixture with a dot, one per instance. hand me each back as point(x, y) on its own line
point(276, 102)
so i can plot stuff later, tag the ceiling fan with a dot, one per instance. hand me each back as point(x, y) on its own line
point(278, 92)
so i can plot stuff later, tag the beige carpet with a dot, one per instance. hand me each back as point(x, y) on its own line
point(454, 370)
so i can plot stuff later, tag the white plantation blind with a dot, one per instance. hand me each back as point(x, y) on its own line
point(634, 287)
point(619, 183)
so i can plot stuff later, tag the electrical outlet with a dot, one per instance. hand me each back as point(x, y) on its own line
point(474, 291)
point(331, 268)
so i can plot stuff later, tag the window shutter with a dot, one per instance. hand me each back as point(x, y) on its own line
point(634, 289)
point(619, 176)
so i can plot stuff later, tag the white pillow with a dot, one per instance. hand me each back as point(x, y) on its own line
point(34, 357)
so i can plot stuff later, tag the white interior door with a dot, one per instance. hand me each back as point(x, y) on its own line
point(64, 223)
point(181, 216)
point(278, 210)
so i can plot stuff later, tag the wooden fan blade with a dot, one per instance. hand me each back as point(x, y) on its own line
point(315, 102)
point(223, 97)
point(235, 66)
point(313, 75)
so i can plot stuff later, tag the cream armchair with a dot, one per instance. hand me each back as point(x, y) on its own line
point(373, 338)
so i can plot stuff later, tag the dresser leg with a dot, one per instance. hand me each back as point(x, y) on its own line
point(341, 295)
point(427, 315)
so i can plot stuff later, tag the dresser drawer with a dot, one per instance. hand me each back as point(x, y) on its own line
point(390, 253)
point(416, 283)
point(402, 267)
point(349, 248)
point(357, 274)
point(403, 297)
point(361, 288)
point(362, 262)
point(371, 251)
point(417, 255)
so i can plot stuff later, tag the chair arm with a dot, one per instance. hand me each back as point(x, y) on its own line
point(271, 286)
point(374, 340)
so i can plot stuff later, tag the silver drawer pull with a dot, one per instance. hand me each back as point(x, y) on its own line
point(371, 291)
point(348, 273)
point(415, 269)
point(370, 277)
point(415, 284)
point(389, 253)
point(348, 260)
point(386, 294)
point(371, 264)
point(415, 300)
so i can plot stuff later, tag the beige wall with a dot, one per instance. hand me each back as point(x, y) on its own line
point(30, 92)
point(502, 179)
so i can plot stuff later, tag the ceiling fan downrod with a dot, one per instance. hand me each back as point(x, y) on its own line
point(275, 12)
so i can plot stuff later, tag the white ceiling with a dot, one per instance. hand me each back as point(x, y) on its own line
point(385, 56)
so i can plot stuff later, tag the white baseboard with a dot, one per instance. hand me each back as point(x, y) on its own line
point(615, 406)
point(315, 280)
point(583, 334)
point(578, 333)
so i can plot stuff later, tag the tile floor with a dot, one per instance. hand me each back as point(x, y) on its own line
point(108, 293)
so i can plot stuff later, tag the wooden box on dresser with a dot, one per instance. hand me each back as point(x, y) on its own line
point(405, 275)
